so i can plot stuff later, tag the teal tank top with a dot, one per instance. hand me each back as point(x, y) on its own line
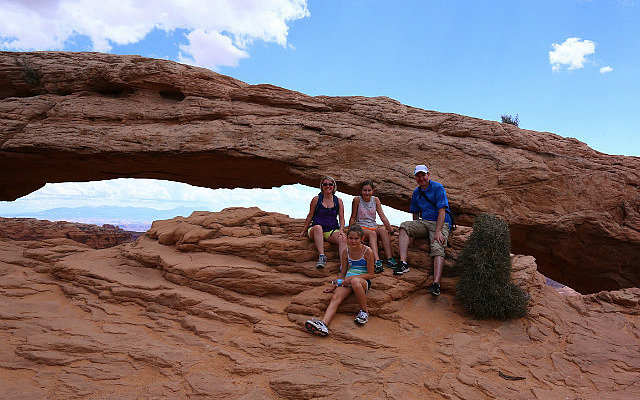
point(357, 267)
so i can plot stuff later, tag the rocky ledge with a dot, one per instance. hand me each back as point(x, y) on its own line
point(213, 306)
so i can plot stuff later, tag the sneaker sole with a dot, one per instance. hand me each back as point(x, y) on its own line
point(312, 328)
point(401, 272)
point(359, 323)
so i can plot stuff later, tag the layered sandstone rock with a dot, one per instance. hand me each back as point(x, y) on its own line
point(89, 116)
point(213, 306)
point(97, 237)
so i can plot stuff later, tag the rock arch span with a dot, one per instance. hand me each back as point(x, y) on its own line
point(88, 116)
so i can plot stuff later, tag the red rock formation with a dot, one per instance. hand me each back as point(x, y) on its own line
point(89, 116)
point(213, 306)
point(92, 235)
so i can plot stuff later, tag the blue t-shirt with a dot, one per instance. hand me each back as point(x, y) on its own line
point(436, 194)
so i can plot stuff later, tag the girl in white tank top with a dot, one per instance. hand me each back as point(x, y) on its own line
point(366, 216)
point(364, 210)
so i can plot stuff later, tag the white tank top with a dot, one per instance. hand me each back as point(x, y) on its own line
point(366, 215)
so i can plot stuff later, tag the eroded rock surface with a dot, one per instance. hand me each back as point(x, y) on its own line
point(213, 306)
point(97, 237)
point(90, 116)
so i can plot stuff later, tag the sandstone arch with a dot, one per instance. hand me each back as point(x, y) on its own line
point(88, 116)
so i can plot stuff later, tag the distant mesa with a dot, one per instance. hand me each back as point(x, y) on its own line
point(94, 236)
point(94, 116)
point(137, 219)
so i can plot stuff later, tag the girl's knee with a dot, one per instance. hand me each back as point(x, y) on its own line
point(338, 297)
point(359, 284)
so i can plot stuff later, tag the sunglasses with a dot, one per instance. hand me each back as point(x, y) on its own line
point(327, 184)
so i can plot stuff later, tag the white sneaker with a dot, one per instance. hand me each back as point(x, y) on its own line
point(322, 261)
point(317, 327)
point(362, 317)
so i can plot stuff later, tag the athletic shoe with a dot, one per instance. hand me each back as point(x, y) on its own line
point(362, 317)
point(322, 261)
point(401, 268)
point(317, 327)
point(377, 267)
point(391, 262)
point(434, 289)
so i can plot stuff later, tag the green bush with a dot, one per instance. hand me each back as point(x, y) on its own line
point(485, 287)
point(508, 119)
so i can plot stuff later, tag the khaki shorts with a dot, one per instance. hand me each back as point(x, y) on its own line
point(422, 228)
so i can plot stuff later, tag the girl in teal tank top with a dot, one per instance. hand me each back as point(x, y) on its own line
point(356, 267)
point(354, 276)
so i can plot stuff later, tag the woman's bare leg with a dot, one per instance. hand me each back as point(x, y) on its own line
point(359, 287)
point(341, 293)
point(386, 242)
point(316, 235)
point(340, 240)
point(373, 242)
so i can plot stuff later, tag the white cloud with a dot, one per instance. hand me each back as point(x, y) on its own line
point(210, 48)
point(571, 54)
point(219, 31)
point(606, 69)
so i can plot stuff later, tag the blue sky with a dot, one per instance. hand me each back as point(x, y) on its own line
point(570, 67)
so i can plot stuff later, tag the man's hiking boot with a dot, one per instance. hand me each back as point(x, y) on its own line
point(317, 327)
point(377, 267)
point(362, 317)
point(391, 262)
point(322, 261)
point(434, 289)
point(401, 268)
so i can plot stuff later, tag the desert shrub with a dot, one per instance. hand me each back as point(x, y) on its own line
point(485, 287)
point(30, 74)
point(508, 119)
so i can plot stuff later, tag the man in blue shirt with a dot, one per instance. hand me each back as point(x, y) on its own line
point(429, 206)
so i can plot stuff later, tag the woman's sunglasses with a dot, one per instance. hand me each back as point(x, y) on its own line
point(327, 184)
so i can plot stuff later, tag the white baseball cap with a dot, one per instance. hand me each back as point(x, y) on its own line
point(421, 168)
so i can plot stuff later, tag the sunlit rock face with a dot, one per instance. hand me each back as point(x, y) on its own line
point(90, 116)
point(97, 237)
point(213, 306)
